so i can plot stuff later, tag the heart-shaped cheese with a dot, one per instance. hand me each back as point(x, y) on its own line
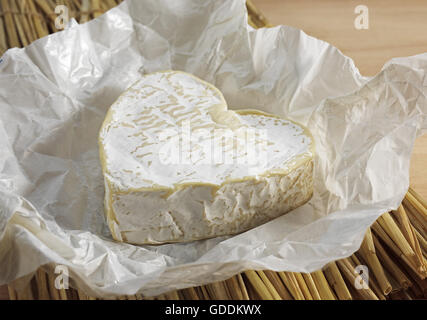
point(179, 166)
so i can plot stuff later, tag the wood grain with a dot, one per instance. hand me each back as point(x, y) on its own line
point(396, 29)
point(4, 295)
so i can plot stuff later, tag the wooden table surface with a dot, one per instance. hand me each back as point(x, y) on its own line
point(396, 29)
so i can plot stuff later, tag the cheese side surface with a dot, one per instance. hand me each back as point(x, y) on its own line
point(179, 166)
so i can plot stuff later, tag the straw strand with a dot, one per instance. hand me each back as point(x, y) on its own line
point(292, 285)
point(303, 286)
point(39, 23)
point(269, 286)
point(18, 19)
point(322, 286)
point(3, 43)
point(243, 287)
point(12, 34)
point(389, 264)
point(347, 268)
point(367, 251)
point(278, 285)
point(337, 282)
point(258, 285)
point(85, 8)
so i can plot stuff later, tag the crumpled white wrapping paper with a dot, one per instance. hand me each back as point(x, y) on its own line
point(54, 95)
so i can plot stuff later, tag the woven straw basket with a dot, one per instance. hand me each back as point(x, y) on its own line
point(394, 249)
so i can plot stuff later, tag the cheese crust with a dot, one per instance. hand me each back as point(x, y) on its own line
point(238, 170)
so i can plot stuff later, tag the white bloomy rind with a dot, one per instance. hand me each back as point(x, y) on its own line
point(179, 166)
